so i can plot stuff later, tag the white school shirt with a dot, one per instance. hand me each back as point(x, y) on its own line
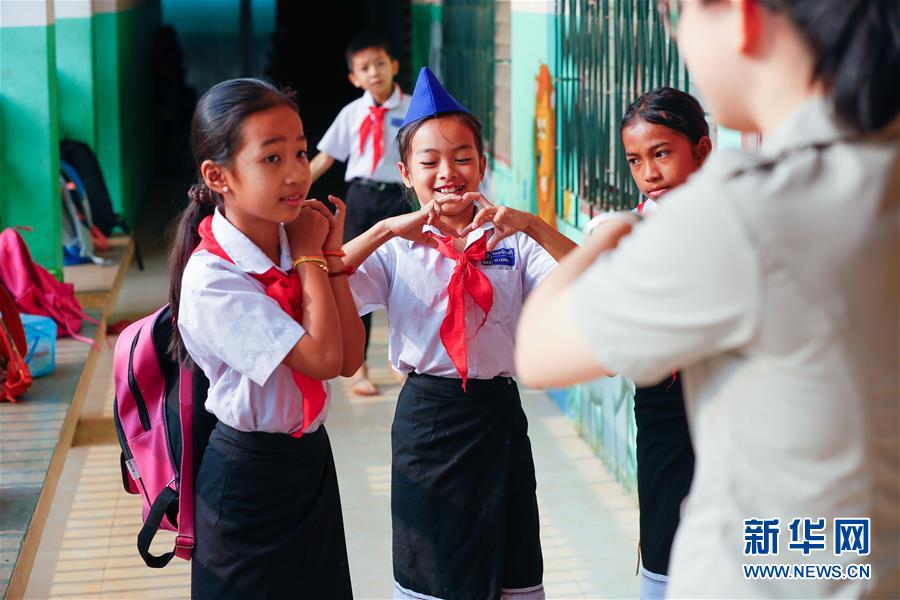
point(771, 280)
point(238, 336)
point(341, 141)
point(410, 280)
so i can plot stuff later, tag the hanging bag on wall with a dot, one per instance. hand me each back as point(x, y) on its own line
point(78, 246)
point(83, 159)
point(79, 196)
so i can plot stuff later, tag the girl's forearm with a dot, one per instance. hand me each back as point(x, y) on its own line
point(319, 353)
point(555, 243)
point(361, 247)
point(352, 331)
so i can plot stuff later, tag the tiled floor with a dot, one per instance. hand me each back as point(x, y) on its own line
point(588, 523)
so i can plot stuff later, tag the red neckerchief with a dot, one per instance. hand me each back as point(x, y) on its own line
point(374, 123)
point(466, 278)
point(287, 291)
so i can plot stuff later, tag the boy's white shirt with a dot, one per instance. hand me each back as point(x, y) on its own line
point(410, 281)
point(239, 336)
point(341, 141)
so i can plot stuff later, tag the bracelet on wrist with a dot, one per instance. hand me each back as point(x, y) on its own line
point(318, 261)
point(338, 253)
point(345, 271)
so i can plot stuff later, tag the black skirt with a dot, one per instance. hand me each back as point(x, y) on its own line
point(268, 518)
point(665, 467)
point(465, 514)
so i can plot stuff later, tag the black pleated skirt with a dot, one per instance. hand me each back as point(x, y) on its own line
point(465, 514)
point(268, 518)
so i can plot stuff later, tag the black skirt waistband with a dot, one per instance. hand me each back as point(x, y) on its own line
point(264, 441)
point(455, 383)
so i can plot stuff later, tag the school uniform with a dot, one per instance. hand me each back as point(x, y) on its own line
point(465, 518)
point(364, 136)
point(770, 279)
point(268, 514)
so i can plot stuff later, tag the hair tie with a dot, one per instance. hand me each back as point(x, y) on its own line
point(201, 194)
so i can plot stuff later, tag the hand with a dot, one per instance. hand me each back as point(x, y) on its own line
point(409, 226)
point(335, 238)
point(507, 221)
point(308, 232)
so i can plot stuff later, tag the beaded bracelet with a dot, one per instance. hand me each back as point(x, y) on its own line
point(315, 260)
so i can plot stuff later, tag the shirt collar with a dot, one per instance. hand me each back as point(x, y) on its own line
point(244, 253)
point(814, 122)
point(391, 103)
point(473, 237)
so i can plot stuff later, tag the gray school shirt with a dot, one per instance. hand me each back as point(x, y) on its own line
point(772, 280)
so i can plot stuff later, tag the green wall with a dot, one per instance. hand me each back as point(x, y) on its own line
point(85, 77)
point(122, 69)
point(29, 155)
point(425, 18)
point(108, 103)
point(75, 79)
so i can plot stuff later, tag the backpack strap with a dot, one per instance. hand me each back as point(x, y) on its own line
point(184, 542)
point(166, 499)
point(169, 499)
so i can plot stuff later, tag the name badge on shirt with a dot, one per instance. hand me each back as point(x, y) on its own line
point(396, 121)
point(501, 257)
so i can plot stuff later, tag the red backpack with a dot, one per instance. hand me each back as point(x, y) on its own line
point(163, 429)
point(15, 377)
point(35, 290)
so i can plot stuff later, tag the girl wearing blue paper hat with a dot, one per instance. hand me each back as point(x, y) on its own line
point(453, 277)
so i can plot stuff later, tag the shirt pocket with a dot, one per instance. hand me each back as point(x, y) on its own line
point(507, 284)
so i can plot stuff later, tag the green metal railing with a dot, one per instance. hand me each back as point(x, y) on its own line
point(609, 52)
point(467, 59)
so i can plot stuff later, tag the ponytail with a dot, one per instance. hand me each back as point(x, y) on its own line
point(203, 204)
point(856, 48)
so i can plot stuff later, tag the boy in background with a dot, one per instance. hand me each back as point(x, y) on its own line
point(363, 135)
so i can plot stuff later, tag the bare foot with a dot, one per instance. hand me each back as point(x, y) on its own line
point(360, 383)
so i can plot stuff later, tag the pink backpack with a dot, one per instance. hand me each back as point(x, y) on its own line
point(163, 430)
point(36, 291)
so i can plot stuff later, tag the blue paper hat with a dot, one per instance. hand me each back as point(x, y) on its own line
point(430, 98)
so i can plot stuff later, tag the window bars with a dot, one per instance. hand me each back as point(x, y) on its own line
point(608, 53)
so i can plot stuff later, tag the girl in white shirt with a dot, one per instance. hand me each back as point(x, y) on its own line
point(453, 277)
point(263, 307)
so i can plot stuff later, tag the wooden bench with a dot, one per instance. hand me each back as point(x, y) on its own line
point(97, 286)
point(37, 431)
